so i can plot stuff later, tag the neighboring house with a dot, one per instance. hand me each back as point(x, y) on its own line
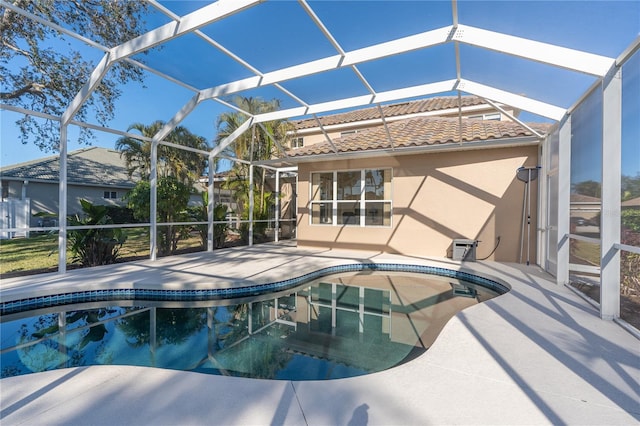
point(584, 213)
point(414, 185)
point(98, 175)
point(307, 132)
point(633, 203)
point(95, 174)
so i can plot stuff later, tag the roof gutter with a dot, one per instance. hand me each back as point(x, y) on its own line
point(429, 149)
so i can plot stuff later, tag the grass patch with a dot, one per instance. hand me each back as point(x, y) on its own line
point(26, 254)
point(39, 253)
point(585, 253)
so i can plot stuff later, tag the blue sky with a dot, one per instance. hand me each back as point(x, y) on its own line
point(279, 34)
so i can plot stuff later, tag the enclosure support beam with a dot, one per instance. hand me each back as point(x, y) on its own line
point(94, 80)
point(541, 108)
point(62, 202)
point(277, 212)
point(564, 200)
point(211, 202)
point(153, 213)
point(370, 53)
point(251, 203)
point(365, 100)
point(232, 137)
point(188, 23)
point(563, 57)
point(611, 209)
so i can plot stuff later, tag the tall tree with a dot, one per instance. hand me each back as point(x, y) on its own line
point(177, 169)
point(37, 74)
point(254, 145)
point(184, 165)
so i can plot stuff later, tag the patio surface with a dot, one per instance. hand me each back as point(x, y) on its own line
point(536, 355)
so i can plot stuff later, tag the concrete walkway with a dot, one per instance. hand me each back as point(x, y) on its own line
point(536, 355)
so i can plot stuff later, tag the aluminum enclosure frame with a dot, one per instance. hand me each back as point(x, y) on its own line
point(606, 70)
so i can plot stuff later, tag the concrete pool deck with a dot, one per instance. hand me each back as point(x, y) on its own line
point(537, 355)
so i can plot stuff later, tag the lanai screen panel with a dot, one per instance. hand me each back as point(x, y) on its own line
point(311, 55)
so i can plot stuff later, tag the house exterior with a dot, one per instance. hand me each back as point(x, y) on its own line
point(414, 185)
point(98, 175)
point(95, 174)
point(584, 213)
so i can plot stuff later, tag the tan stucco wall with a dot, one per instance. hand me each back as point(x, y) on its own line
point(436, 197)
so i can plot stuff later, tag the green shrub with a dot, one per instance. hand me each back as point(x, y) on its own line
point(631, 219)
point(92, 247)
point(173, 197)
point(200, 214)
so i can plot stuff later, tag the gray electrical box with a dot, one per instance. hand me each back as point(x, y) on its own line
point(464, 250)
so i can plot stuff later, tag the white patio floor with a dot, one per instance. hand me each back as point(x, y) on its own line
point(536, 355)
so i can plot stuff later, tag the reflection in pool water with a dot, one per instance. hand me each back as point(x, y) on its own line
point(339, 326)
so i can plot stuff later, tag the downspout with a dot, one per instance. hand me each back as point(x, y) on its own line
point(23, 195)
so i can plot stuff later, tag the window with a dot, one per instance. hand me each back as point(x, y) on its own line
point(492, 116)
point(322, 197)
point(110, 195)
point(297, 142)
point(353, 197)
point(349, 132)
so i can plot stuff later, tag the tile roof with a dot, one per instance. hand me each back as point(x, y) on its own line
point(87, 166)
point(580, 198)
point(421, 131)
point(393, 110)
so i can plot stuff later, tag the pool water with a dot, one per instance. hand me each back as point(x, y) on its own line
point(342, 325)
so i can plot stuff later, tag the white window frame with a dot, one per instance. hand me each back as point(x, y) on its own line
point(492, 116)
point(297, 142)
point(362, 201)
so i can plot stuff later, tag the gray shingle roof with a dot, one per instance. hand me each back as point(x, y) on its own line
point(87, 166)
point(421, 131)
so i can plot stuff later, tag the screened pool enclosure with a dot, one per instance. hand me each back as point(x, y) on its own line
point(574, 65)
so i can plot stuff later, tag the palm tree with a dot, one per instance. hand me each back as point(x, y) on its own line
point(136, 152)
point(255, 145)
point(177, 170)
point(262, 147)
point(187, 166)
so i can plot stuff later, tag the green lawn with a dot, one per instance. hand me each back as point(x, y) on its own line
point(39, 253)
point(583, 252)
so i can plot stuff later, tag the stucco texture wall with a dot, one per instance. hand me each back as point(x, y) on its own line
point(44, 198)
point(437, 197)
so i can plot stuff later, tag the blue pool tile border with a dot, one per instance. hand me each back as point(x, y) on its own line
point(22, 305)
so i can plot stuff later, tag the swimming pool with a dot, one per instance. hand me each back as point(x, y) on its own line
point(339, 325)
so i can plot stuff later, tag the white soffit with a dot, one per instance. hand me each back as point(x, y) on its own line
point(526, 104)
point(563, 57)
